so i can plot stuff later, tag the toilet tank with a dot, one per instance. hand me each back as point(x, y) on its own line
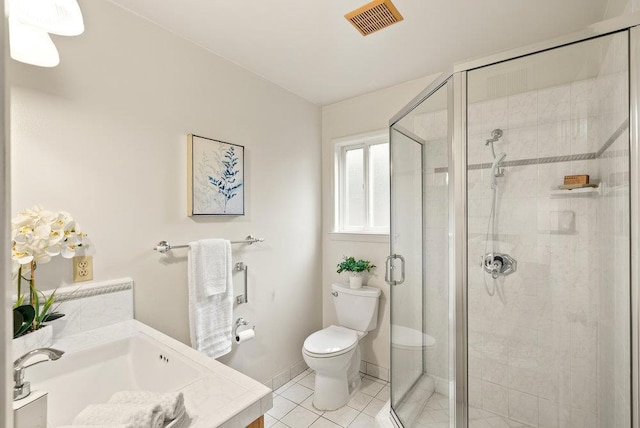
point(357, 308)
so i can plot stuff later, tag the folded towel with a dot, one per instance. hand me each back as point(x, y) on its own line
point(171, 403)
point(209, 267)
point(210, 315)
point(135, 415)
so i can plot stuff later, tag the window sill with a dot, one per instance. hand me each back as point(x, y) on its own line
point(359, 237)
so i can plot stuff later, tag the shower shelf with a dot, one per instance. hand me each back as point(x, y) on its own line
point(585, 191)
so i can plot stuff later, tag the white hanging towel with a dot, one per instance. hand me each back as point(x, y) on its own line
point(210, 296)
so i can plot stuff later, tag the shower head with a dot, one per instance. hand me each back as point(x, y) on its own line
point(495, 136)
point(495, 169)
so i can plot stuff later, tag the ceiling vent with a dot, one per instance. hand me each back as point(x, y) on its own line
point(374, 16)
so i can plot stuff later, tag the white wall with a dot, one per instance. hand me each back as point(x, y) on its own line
point(621, 7)
point(366, 113)
point(617, 8)
point(103, 136)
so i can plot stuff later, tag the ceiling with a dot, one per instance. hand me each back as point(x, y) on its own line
point(308, 48)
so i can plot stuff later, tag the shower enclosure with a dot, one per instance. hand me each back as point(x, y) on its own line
point(514, 296)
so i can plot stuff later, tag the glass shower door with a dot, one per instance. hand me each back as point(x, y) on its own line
point(548, 260)
point(418, 265)
point(405, 265)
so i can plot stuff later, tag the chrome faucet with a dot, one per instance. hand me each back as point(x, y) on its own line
point(21, 388)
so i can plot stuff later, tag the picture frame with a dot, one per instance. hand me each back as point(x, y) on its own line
point(215, 177)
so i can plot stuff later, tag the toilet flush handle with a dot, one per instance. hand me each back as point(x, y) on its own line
point(335, 293)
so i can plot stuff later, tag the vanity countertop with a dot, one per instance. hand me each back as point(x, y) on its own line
point(222, 397)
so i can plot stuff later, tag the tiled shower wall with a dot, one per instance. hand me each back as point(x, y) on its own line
point(550, 347)
point(432, 127)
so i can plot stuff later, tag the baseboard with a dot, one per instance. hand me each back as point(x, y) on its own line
point(374, 370)
point(281, 378)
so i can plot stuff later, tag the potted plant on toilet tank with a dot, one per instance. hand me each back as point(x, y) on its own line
point(356, 269)
point(38, 235)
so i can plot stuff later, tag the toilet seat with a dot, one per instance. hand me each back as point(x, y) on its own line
point(330, 342)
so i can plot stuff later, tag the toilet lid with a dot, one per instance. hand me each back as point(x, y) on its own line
point(331, 340)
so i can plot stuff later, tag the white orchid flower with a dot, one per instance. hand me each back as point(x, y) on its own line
point(43, 231)
point(21, 220)
point(53, 250)
point(55, 237)
point(68, 251)
point(22, 257)
point(40, 234)
point(42, 258)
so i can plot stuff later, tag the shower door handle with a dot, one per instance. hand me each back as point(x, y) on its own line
point(388, 274)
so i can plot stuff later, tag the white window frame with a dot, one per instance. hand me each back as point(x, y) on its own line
point(342, 145)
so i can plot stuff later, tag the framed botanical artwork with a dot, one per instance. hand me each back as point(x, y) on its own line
point(215, 177)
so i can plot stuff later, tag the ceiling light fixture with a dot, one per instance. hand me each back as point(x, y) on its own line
point(31, 45)
point(61, 17)
point(31, 21)
point(374, 16)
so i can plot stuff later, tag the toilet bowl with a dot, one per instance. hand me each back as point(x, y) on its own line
point(334, 352)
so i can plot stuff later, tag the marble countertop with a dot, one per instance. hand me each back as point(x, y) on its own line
point(222, 397)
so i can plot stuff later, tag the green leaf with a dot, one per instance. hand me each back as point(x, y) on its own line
point(36, 304)
point(18, 320)
point(47, 303)
point(27, 313)
point(349, 264)
point(19, 302)
point(22, 330)
point(52, 316)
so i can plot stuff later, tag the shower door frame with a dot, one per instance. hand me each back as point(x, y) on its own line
point(435, 86)
point(634, 213)
point(458, 281)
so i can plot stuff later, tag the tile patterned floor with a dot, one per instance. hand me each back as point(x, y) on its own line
point(293, 408)
point(435, 413)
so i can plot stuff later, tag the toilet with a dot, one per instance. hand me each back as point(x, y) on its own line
point(334, 352)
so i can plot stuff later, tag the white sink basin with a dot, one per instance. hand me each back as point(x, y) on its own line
point(93, 375)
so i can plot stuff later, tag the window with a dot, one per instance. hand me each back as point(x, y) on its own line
point(362, 184)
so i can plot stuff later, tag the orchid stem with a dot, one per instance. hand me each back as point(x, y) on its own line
point(32, 292)
point(19, 281)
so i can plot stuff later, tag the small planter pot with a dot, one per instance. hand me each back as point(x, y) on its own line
point(41, 338)
point(355, 279)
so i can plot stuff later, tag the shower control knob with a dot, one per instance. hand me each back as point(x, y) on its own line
point(335, 293)
point(498, 264)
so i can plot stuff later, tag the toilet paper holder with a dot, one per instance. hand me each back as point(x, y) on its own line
point(240, 322)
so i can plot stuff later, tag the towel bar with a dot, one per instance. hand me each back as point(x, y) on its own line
point(164, 246)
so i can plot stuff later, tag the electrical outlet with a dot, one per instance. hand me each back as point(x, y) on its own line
point(82, 268)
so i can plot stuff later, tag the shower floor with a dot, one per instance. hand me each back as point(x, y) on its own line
point(419, 412)
point(435, 414)
point(479, 418)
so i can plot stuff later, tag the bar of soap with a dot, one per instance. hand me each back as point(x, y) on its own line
point(576, 179)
